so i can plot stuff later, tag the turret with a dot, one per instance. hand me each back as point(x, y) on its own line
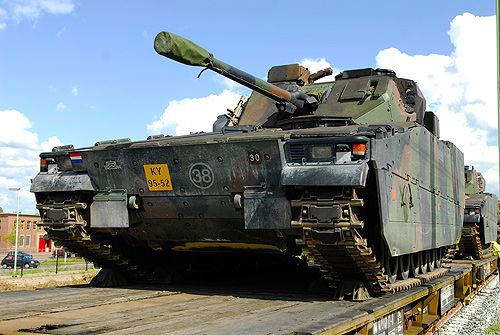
point(474, 181)
point(189, 53)
point(361, 96)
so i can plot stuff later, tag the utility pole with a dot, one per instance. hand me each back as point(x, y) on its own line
point(17, 224)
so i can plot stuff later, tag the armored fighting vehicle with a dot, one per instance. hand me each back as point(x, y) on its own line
point(350, 172)
point(480, 217)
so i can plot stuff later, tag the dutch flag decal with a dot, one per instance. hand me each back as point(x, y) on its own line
point(76, 158)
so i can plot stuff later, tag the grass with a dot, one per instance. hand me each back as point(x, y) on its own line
point(60, 268)
point(494, 328)
point(73, 272)
point(52, 261)
point(69, 273)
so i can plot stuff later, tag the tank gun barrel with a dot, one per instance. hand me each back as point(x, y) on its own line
point(189, 53)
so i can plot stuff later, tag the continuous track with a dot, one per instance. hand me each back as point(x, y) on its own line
point(72, 234)
point(342, 252)
point(470, 242)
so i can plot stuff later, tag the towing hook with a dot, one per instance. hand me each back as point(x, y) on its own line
point(134, 202)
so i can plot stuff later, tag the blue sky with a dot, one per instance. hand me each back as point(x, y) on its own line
point(81, 72)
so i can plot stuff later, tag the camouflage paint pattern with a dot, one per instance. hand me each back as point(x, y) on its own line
point(480, 207)
point(474, 181)
point(235, 190)
point(422, 204)
point(186, 52)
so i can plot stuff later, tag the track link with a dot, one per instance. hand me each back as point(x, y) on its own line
point(340, 250)
point(65, 225)
point(470, 242)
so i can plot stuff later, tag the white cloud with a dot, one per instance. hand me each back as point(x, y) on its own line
point(57, 6)
point(74, 91)
point(228, 83)
point(3, 17)
point(19, 154)
point(61, 106)
point(7, 183)
point(51, 143)
point(461, 89)
point(18, 10)
point(61, 32)
point(13, 131)
point(193, 115)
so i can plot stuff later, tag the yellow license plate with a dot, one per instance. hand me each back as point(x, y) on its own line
point(158, 177)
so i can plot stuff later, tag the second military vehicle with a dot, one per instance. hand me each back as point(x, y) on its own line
point(351, 172)
point(480, 217)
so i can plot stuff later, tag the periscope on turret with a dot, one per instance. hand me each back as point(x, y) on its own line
point(350, 172)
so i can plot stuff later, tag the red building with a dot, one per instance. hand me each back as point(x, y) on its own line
point(31, 237)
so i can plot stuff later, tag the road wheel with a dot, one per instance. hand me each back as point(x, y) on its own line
point(27, 266)
point(439, 257)
point(391, 265)
point(416, 260)
point(4, 265)
point(431, 256)
point(404, 266)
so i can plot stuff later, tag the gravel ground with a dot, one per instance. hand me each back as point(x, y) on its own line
point(37, 281)
point(481, 316)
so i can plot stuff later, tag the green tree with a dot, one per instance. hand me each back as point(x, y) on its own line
point(1, 210)
point(10, 238)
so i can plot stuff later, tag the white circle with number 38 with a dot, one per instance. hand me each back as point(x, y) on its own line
point(201, 175)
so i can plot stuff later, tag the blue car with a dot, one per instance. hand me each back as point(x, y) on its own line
point(27, 262)
point(19, 252)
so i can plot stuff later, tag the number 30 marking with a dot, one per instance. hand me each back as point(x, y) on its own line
point(254, 158)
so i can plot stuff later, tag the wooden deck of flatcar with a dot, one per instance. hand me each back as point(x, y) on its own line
point(191, 309)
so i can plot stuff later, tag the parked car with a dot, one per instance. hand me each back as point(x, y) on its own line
point(27, 262)
point(19, 252)
point(60, 253)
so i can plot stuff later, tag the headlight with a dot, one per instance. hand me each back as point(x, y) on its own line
point(321, 152)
